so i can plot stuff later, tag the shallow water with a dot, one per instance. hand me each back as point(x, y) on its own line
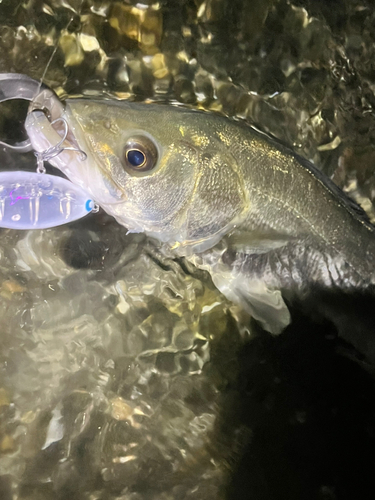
point(125, 374)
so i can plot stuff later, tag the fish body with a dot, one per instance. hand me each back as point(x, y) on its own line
point(262, 220)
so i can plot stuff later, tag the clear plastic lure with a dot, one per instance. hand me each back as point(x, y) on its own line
point(30, 200)
point(36, 200)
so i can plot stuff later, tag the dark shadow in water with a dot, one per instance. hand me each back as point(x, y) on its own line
point(298, 412)
point(308, 403)
point(97, 242)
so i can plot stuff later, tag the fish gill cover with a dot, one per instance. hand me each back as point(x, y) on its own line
point(117, 364)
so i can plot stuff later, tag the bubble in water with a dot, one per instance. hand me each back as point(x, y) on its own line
point(16, 217)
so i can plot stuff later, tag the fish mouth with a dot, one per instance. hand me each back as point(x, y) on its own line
point(48, 103)
point(56, 137)
point(50, 136)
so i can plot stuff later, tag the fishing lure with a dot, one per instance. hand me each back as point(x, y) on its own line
point(31, 200)
point(36, 200)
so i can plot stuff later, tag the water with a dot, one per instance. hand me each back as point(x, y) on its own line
point(108, 372)
point(126, 375)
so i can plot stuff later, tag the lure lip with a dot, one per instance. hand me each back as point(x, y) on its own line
point(18, 86)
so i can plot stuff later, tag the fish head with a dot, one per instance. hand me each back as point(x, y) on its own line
point(157, 169)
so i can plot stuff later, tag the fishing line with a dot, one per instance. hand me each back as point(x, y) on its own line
point(79, 12)
point(57, 149)
point(15, 86)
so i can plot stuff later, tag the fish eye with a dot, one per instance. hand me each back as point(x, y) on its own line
point(140, 154)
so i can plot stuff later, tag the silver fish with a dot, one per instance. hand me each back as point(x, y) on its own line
point(263, 221)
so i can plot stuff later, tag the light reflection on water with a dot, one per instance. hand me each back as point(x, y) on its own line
point(109, 370)
point(114, 361)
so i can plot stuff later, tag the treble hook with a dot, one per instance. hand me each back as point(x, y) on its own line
point(55, 150)
point(16, 86)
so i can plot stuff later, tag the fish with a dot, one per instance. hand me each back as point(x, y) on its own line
point(263, 221)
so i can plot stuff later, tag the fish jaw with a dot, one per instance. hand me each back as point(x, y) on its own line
point(73, 161)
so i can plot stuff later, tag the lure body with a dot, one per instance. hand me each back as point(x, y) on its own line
point(30, 200)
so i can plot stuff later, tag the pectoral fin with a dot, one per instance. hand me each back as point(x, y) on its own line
point(257, 242)
point(261, 300)
point(264, 304)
